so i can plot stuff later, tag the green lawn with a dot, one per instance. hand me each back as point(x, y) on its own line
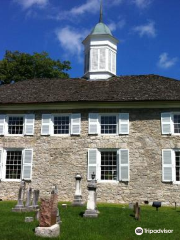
point(114, 223)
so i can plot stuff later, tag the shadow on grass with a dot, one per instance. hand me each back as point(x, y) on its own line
point(81, 214)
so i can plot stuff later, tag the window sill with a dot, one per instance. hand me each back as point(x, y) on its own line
point(10, 180)
point(108, 181)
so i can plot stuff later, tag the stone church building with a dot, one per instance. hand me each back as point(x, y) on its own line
point(124, 129)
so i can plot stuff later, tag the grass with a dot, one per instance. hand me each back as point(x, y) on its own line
point(114, 223)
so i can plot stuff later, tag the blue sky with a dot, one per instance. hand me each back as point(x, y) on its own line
point(148, 31)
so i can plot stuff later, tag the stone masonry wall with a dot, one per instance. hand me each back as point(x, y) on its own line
point(56, 159)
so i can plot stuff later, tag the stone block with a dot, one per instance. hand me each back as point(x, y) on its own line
point(29, 219)
point(49, 232)
point(90, 214)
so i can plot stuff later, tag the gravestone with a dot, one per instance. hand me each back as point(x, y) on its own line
point(137, 211)
point(20, 203)
point(78, 196)
point(28, 197)
point(48, 216)
point(91, 211)
point(35, 205)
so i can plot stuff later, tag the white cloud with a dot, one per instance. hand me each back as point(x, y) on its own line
point(116, 25)
point(71, 41)
point(29, 3)
point(165, 62)
point(142, 3)
point(146, 29)
point(91, 6)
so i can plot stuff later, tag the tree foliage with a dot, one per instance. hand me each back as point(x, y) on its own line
point(17, 66)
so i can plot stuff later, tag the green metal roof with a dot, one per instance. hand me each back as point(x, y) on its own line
point(101, 28)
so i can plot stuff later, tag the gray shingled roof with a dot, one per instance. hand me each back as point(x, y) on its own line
point(116, 89)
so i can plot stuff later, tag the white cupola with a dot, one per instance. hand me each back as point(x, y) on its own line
point(100, 50)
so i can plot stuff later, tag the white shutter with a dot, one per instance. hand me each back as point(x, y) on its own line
point(46, 124)
point(167, 166)
point(102, 64)
point(92, 162)
point(2, 124)
point(94, 58)
point(166, 123)
point(29, 124)
point(123, 165)
point(76, 124)
point(113, 62)
point(27, 164)
point(93, 123)
point(124, 123)
point(109, 60)
point(1, 162)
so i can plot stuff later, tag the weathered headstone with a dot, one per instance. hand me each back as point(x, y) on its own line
point(48, 216)
point(28, 197)
point(91, 211)
point(29, 219)
point(35, 205)
point(78, 196)
point(137, 211)
point(20, 204)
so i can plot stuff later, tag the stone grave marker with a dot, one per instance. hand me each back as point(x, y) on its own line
point(78, 196)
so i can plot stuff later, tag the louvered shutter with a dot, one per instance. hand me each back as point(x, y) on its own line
point(166, 123)
point(76, 124)
point(1, 162)
point(102, 63)
point(27, 164)
point(123, 165)
point(124, 123)
point(113, 62)
point(2, 124)
point(167, 166)
point(46, 124)
point(94, 61)
point(109, 60)
point(92, 162)
point(93, 123)
point(29, 124)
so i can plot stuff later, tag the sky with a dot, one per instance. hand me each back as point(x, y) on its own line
point(148, 32)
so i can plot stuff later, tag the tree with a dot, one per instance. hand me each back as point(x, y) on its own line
point(17, 66)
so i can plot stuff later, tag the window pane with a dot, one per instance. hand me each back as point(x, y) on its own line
point(176, 123)
point(109, 165)
point(15, 125)
point(61, 125)
point(13, 164)
point(108, 125)
point(177, 169)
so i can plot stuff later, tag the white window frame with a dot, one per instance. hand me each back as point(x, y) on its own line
point(52, 123)
point(4, 179)
point(172, 123)
point(99, 164)
point(174, 165)
point(107, 115)
point(7, 124)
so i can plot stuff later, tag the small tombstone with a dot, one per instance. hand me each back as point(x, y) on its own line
point(137, 211)
point(35, 205)
point(48, 216)
point(91, 211)
point(29, 219)
point(64, 205)
point(78, 196)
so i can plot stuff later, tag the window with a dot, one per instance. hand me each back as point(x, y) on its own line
point(54, 124)
point(108, 124)
point(115, 123)
point(108, 164)
point(15, 125)
point(170, 123)
point(61, 125)
point(15, 164)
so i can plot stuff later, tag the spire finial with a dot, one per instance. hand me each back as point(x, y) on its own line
point(101, 13)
